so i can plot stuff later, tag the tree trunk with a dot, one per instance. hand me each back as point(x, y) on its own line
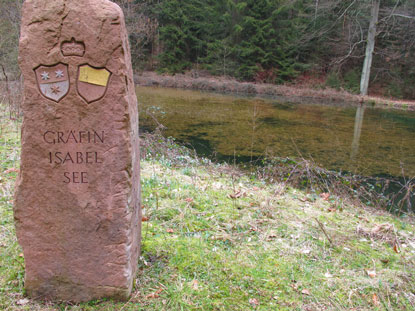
point(370, 46)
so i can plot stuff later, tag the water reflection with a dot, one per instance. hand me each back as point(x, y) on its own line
point(254, 123)
point(358, 123)
point(243, 129)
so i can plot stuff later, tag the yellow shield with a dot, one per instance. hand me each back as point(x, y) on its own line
point(92, 82)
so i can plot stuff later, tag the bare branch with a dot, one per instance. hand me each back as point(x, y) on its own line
point(404, 16)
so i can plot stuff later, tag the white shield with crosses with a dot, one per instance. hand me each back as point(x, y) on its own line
point(53, 81)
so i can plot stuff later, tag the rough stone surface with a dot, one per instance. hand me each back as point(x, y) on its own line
point(77, 204)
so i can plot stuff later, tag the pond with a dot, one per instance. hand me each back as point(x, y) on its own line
point(357, 139)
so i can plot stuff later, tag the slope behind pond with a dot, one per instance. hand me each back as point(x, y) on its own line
point(362, 140)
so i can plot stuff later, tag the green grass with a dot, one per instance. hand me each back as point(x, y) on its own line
point(220, 239)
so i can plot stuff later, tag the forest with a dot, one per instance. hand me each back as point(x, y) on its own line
point(331, 43)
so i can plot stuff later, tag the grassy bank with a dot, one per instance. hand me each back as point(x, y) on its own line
point(216, 238)
point(293, 93)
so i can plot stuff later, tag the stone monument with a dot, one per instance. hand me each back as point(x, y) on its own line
point(77, 203)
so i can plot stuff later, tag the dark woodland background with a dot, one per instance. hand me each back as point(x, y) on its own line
point(320, 42)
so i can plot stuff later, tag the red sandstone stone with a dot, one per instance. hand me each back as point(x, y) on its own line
point(77, 205)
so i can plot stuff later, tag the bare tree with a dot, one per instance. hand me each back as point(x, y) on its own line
point(142, 27)
point(370, 47)
point(9, 35)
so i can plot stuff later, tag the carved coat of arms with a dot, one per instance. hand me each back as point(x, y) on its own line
point(92, 82)
point(53, 81)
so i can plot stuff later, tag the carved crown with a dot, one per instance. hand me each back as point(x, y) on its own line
point(73, 48)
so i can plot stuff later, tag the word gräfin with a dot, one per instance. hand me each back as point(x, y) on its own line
point(78, 137)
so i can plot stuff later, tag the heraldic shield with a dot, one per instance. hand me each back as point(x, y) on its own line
point(92, 82)
point(53, 81)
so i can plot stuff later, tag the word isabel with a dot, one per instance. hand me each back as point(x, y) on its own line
point(74, 157)
point(74, 138)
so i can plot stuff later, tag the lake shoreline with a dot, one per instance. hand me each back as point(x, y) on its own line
point(294, 93)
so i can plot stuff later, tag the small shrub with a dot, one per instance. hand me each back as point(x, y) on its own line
point(352, 80)
point(395, 90)
point(333, 80)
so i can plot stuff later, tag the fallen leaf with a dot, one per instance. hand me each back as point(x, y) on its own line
point(156, 294)
point(144, 261)
point(217, 185)
point(371, 273)
point(272, 235)
point(22, 302)
point(236, 195)
point(375, 300)
point(169, 230)
point(194, 284)
point(328, 275)
point(306, 292)
point(144, 218)
point(396, 248)
point(254, 229)
point(11, 170)
point(255, 188)
point(363, 218)
point(325, 196)
point(382, 228)
point(253, 302)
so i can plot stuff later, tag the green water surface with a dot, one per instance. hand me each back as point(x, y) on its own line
point(361, 140)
